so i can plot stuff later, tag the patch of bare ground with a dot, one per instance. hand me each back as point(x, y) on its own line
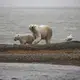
point(59, 53)
point(44, 51)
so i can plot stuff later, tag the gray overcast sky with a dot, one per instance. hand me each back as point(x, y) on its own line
point(40, 3)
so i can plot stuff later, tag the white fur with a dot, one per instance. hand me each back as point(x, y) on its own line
point(41, 32)
point(24, 38)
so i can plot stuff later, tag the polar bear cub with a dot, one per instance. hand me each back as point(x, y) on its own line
point(24, 38)
point(41, 32)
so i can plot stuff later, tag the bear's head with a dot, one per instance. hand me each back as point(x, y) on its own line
point(33, 27)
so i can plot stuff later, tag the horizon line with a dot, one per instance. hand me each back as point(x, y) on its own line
point(33, 7)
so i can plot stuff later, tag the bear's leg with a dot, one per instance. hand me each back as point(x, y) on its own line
point(49, 36)
point(28, 45)
point(37, 40)
point(47, 41)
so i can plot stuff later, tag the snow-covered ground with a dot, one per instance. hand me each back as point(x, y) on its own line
point(33, 71)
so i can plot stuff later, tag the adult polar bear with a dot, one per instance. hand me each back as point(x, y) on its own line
point(41, 32)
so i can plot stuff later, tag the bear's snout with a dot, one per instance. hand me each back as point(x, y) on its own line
point(15, 39)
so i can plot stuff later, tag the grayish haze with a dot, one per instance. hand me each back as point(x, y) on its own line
point(39, 3)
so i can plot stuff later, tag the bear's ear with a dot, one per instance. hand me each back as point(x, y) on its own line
point(35, 25)
point(30, 26)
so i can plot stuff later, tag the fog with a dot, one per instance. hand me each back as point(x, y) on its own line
point(39, 3)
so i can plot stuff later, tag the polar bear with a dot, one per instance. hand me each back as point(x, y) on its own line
point(41, 32)
point(24, 38)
